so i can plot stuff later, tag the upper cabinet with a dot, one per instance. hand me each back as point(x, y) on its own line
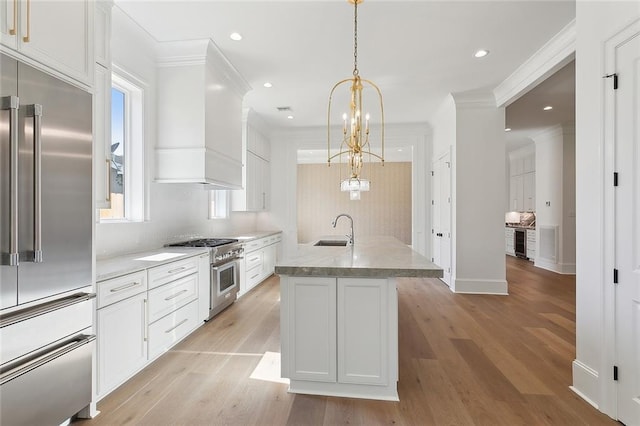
point(199, 115)
point(522, 189)
point(256, 194)
point(57, 34)
point(102, 106)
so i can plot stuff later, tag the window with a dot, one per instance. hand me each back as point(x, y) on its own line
point(219, 204)
point(127, 160)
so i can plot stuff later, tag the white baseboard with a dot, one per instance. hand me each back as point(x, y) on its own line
point(558, 268)
point(470, 286)
point(585, 382)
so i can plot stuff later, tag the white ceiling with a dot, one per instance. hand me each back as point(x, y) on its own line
point(416, 51)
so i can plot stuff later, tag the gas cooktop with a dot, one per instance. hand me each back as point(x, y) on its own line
point(204, 242)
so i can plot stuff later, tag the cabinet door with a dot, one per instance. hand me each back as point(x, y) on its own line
point(312, 328)
point(9, 21)
point(122, 342)
point(102, 137)
point(60, 35)
point(529, 192)
point(363, 331)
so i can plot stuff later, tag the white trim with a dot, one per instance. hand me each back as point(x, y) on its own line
point(558, 268)
point(585, 382)
point(471, 286)
point(555, 54)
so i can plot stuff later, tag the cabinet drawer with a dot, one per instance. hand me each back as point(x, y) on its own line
point(165, 332)
point(166, 299)
point(172, 271)
point(254, 276)
point(253, 260)
point(117, 289)
point(531, 236)
point(253, 245)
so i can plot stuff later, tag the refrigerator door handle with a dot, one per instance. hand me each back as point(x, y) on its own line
point(35, 111)
point(12, 103)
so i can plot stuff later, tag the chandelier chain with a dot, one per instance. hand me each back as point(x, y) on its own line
point(355, 39)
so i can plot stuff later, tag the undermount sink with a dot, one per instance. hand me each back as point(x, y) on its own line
point(331, 243)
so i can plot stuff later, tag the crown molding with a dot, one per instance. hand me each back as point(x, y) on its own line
point(555, 54)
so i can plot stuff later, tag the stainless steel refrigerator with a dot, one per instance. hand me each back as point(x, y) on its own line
point(45, 245)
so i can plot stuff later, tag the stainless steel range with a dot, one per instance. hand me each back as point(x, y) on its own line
point(225, 270)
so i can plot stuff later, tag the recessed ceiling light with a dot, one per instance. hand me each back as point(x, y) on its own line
point(267, 84)
point(508, 129)
point(481, 53)
point(290, 117)
point(235, 36)
point(547, 108)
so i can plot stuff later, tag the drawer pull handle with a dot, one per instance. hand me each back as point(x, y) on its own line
point(173, 296)
point(173, 271)
point(253, 259)
point(177, 325)
point(255, 276)
point(124, 287)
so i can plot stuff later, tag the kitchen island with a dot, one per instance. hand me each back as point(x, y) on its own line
point(339, 316)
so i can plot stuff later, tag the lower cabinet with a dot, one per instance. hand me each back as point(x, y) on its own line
point(121, 334)
point(259, 261)
point(143, 314)
point(509, 235)
point(531, 244)
point(341, 332)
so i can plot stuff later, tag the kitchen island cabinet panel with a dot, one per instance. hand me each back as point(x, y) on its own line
point(313, 329)
point(364, 308)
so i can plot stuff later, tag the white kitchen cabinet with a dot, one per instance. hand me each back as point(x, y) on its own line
point(339, 336)
point(57, 34)
point(522, 192)
point(529, 191)
point(531, 244)
point(312, 333)
point(121, 328)
point(199, 115)
point(142, 314)
point(256, 194)
point(102, 137)
point(509, 235)
point(204, 283)
point(260, 257)
point(363, 333)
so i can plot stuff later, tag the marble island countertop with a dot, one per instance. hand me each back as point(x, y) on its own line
point(369, 257)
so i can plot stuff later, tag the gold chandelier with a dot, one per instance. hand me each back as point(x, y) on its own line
point(355, 137)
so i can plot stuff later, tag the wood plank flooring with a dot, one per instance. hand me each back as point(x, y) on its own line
point(464, 360)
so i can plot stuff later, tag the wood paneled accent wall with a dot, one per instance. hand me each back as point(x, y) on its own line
point(384, 210)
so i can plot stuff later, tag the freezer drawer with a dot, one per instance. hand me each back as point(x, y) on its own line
point(49, 387)
point(28, 330)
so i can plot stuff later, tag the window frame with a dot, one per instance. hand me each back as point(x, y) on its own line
point(134, 146)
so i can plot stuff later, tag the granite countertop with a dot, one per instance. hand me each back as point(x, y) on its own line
point(369, 257)
point(132, 262)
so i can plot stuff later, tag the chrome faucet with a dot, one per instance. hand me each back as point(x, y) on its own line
point(335, 221)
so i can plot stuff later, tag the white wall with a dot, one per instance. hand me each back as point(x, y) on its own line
point(479, 197)
point(284, 147)
point(173, 211)
point(592, 376)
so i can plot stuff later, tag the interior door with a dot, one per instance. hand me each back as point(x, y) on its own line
point(627, 234)
point(441, 213)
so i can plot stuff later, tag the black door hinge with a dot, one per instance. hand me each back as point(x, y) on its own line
point(615, 80)
point(615, 178)
point(615, 276)
point(432, 173)
point(615, 372)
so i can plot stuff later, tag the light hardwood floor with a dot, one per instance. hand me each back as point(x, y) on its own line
point(464, 360)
